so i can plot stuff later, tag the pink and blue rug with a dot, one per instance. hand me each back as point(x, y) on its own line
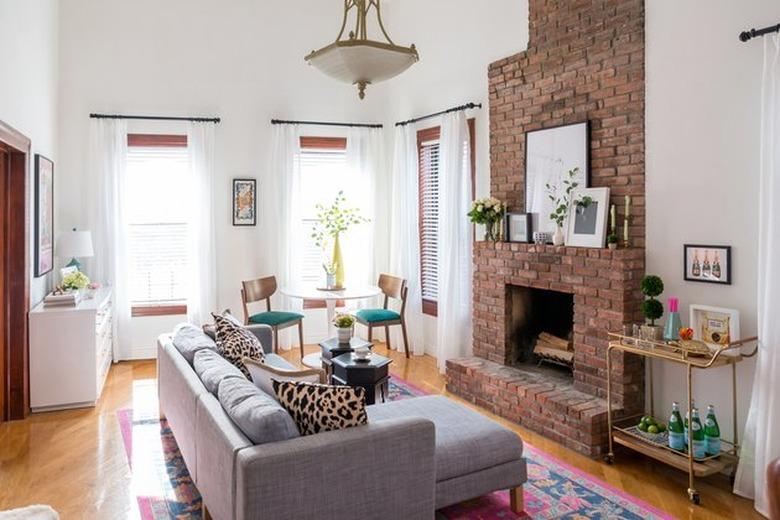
point(164, 489)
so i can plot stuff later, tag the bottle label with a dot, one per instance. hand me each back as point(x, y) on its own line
point(713, 445)
point(699, 449)
point(676, 441)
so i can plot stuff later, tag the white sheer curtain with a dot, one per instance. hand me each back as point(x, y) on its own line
point(455, 240)
point(404, 248)
point(281, 217)
point(108, 158)
point(362, 244)
point(762, 433)
point(202, 297)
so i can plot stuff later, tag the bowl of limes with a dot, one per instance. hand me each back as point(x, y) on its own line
point(651, 429)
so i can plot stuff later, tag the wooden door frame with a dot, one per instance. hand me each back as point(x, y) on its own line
point(16, 379)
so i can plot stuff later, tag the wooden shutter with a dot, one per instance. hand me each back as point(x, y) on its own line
point(428, 162)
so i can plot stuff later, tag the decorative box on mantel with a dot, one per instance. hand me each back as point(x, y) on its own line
point(604, 288)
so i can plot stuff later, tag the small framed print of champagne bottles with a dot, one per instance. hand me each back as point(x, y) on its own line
point(710, 264)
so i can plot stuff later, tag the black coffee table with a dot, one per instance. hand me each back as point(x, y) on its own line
point(372, 374)
point(331, 348)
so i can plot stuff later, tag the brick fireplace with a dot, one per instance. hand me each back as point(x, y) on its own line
point(585, 61)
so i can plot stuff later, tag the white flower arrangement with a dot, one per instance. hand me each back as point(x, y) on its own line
point(487, 211)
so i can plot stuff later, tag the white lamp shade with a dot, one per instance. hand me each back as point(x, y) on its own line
point(75, 244)
point(368, 61)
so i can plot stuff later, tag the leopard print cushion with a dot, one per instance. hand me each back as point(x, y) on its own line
point(319, 408)
point(234, 342)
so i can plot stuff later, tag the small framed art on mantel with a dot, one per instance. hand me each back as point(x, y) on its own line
point(518, 227)
point(244, 202)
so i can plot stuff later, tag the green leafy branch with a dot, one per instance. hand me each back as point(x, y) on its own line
point(335, 219)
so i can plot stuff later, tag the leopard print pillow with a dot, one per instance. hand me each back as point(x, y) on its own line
point(319, 408)
point(234, 342)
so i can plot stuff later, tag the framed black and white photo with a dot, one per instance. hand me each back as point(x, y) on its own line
point(710, 264)
point(518, 227)
point(550, 153)
point(244, 202)
point(587, 222)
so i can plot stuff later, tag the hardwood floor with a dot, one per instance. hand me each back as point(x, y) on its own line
point(74, 460)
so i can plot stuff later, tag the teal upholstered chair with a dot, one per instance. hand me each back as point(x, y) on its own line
point(392, 287)
point(262, 289)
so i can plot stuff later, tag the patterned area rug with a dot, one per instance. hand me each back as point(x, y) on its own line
point(164, 489)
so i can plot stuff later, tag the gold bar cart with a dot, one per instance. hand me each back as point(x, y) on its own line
point(622, 432)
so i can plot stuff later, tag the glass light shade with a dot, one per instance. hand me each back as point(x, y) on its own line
point(75, 244)
point(364, 61)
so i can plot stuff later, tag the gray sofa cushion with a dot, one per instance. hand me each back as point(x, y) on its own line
point(212, 369)
point(465, 440)
point(188, 339)
point(255, 413)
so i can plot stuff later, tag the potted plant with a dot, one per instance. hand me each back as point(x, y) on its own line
point(652, 309)
point(332, 221)
point(345, 326)
point(490, 212)
point(561, 198)
point(75, 281)
point(612, 241)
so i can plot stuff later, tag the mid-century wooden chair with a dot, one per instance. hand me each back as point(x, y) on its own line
point(392, 287)
point(262, 289)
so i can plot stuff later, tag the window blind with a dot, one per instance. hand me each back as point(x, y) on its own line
point(157, 195)
point(429, 218)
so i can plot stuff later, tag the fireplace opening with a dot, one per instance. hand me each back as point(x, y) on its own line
point(541, 328)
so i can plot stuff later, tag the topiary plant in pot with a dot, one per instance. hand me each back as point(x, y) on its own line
point(652, 286)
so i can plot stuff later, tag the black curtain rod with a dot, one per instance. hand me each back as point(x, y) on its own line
point(157, 118)
point(467, 106)
point(746, 36)
point(325, 123)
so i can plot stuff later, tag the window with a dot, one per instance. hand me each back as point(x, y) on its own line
point(428, 162)
point(323, 166)
point(157, 222)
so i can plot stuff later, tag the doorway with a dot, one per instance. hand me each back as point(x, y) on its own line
point(14, 274)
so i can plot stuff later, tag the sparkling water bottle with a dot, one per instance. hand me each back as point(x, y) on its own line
point(712, 432)
point(697, 431)
point(675, 429)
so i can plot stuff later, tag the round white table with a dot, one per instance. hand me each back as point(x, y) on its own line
point(310, 292)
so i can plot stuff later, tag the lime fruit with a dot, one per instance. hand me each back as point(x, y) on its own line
point(652, 429)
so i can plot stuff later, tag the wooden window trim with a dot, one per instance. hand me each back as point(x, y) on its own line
point(145, 310)
point(157, 140)
point(322, 143)
point(431, 307)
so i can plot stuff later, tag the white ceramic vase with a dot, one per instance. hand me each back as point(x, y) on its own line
point(344, 335)
point(557, 237)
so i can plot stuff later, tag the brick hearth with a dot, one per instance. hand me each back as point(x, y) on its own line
point(585, 61)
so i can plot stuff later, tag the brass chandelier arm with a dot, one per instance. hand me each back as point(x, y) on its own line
point(375, 3)
point(347, 7)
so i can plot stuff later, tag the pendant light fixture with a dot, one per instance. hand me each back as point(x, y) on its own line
point(357, 60)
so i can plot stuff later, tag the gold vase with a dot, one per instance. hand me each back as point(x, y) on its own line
point(338, 260)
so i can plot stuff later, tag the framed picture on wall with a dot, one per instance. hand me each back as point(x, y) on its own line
point(244, 202)
point(518, 227)
point(710, 264)
point(550, 153)
point(587, 222)
point(44, 215)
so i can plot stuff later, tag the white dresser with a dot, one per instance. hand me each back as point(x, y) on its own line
point(70, 353)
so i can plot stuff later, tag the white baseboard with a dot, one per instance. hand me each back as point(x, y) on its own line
point(140, 353)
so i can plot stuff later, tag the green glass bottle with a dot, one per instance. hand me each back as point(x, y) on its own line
point(712, 432)
point(675, 429)
point(697, 432)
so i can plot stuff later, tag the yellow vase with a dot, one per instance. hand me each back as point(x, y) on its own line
point(338, 260)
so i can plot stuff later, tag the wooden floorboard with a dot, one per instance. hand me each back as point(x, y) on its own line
point(74, 460)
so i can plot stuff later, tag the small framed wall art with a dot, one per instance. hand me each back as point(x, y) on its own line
point(518, 227)
point(587, 222)
point(710, 264)
point(715, 326)
point(44, 215)
point(244, 202)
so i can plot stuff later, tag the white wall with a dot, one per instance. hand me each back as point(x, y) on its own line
point(703, 122)
point(28, 89)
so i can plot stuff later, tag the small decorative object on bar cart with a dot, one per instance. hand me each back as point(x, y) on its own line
point(345, 326)
point(652, 309)
point(490, 212)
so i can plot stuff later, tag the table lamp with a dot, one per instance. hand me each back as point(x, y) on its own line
point(75, 244)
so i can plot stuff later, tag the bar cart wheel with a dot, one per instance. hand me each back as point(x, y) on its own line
point(609, 458)
point(694, 497)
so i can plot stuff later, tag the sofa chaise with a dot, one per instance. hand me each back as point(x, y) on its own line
point(415, 456)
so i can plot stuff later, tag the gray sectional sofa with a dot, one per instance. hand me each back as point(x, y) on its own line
point(415, 455)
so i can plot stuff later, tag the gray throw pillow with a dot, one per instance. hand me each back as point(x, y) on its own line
point(212, 369)
point(188, 339)
point(255, 413)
